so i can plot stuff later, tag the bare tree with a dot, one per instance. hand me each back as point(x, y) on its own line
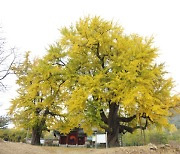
point(4, 120)
point(7, 59)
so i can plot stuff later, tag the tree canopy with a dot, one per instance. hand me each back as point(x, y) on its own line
point(97, 76)
point(115, 82)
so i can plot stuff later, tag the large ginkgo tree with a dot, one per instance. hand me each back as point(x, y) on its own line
point(114, 82)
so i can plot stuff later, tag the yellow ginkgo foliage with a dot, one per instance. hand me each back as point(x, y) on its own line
point(96, 76)
point(115, 83)
point(39, 102)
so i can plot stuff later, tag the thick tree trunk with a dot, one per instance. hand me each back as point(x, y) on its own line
point(113, 140)
point(38, 128)
point(113, 124)
point(36, 135)
point(114, 128)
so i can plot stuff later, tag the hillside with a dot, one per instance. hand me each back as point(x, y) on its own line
point(175, 120)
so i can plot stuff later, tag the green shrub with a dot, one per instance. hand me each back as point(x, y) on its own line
point(157, 137)
point(175, 136)
point(135, 139)
point(13, 135)
point(154, 136)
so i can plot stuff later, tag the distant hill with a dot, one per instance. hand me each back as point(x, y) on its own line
point(175, 120)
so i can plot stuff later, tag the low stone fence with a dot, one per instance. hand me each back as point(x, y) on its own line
point(46, 142)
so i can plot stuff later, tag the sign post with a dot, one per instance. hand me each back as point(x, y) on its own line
point(96, 140)
point(106, 141)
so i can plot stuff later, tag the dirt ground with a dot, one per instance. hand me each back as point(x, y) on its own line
point(22, 148)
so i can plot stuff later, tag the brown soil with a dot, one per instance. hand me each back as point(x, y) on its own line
point(22, 148)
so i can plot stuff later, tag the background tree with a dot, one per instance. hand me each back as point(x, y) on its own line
point(4, 120)
point(114, 82)
point(7, 58)
point(39, 102)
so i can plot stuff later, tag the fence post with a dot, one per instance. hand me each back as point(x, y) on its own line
point(106, 141)
point(96, 140)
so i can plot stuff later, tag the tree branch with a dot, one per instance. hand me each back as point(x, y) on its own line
point(146, 117)
point(124, 119)
point(103, 116)
point(124, 128)
point(98, 55)
point(129, 129)
point(8, 70)
point(52, 113)
point(106, 128)
point(142, 127)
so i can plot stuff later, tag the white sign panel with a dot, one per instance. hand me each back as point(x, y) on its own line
point(101, 138)
point(42, 141)
point(94, 138)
